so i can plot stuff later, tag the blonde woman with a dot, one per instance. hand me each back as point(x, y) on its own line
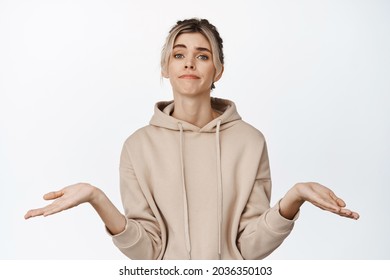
point(195, 183)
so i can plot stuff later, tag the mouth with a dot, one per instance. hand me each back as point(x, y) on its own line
point(188, 76)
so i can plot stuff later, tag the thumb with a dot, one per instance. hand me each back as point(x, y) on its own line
point(53, 195)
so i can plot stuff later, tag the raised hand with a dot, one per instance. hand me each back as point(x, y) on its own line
point(77, 194)
point(65, 198)
point(316, 194)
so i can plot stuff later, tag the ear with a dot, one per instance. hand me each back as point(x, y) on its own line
point(165, 73)
point(219, 75)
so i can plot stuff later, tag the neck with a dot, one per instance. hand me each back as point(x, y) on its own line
point(196, 111)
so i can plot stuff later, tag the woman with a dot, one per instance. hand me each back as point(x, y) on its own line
point(195, 183)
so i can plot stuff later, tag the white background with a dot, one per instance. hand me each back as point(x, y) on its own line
point(78, 77)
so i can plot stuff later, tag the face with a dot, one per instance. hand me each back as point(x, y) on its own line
point(191, 70)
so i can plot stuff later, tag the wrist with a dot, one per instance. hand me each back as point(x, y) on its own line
point(291, 202)
point(96, 196)
point(295, 194)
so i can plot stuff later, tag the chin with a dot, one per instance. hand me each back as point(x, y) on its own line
point(193, 91)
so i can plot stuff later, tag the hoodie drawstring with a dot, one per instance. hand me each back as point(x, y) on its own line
point(184, 190)
point(219, 191)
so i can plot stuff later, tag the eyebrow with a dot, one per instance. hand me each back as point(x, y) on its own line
point(197, 48)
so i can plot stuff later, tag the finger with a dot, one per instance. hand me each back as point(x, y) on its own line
point(329, 205)
point(55, 208)
point(53, 195)
point(345, 212)
point(338, 200)
point(351, 214)
point(348, 214)
point(34, 212)
point(58, 206)
point(52, 211)
point(341, 202)
point(28, 215)
point(355, 215)
point(45, 211)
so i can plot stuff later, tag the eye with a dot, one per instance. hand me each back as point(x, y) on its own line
point(203, 57)
point(178, 56)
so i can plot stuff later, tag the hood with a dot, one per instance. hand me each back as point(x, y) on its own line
point(229, 116)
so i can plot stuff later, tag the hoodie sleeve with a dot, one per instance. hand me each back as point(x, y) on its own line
point(262, 229)
point(141, 238)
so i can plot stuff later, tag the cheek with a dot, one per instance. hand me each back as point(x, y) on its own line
point(211, 73)
point(174, 65)
point(168, 70)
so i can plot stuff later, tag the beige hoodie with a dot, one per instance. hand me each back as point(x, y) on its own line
point(198, 193)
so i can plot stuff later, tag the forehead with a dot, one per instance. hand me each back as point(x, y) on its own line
point(194, 39)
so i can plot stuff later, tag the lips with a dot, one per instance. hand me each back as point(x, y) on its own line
point(189, 76)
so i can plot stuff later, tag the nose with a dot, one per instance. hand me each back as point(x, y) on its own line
point(189, 64)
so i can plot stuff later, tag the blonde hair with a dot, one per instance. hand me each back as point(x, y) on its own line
point(193, 25)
